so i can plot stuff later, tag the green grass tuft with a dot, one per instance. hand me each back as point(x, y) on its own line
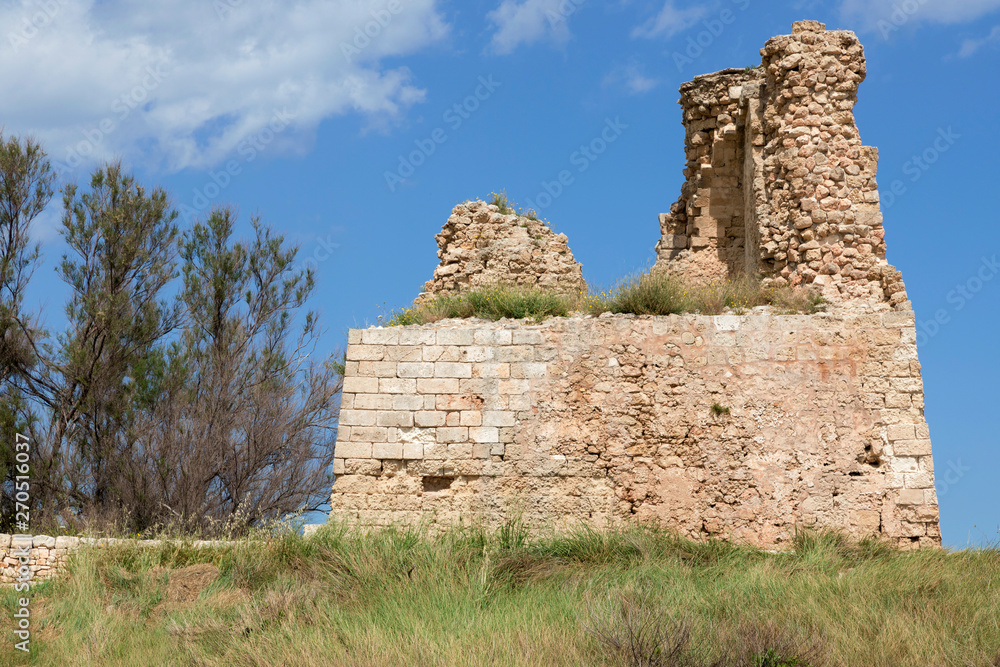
point(492, 303)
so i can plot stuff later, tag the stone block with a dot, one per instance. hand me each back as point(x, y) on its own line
point(920, 480)
point(353, 450)
point(493, 336)
point(357, 418)
point(369, 434)
point(911, 447)
point(415, 370)
point(528, 370)
point(526, 337)
point(397, 386)
point(387, 450)
point(410, 336)
point(471, 418)
point(484, 434)
point(438, 386)
point(360, 385)
point(44, 541)
point(406, 402)
point(900, 432)
point(398, 419)
point(380, 336)
point(455, 337)
point(498, 418)
point(429, 418)
point(365, 352)
point(449, 434)
point(413, 450)
point(445, 369)
point(491, 371)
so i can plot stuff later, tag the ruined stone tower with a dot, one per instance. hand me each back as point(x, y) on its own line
point(744, 426)
point(778, 181)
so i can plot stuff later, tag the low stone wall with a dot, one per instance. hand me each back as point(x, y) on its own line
point(45, 555)
point(817, 421)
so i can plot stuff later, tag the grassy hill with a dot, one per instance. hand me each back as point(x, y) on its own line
point(639, 596)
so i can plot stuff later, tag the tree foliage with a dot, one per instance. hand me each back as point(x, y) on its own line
point(181, 389)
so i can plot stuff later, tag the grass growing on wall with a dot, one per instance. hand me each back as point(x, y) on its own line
point(653, 293)
point(637, 596)
point(492, 303)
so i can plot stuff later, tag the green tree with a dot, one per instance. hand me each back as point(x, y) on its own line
point(26, 179)
point(122, 250)
point(244, 429)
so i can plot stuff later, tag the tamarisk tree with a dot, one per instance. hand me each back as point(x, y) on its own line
point(244, 430)
point(179, 391)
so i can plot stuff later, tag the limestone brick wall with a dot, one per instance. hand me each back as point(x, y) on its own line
point(775, 153)
point(480, 247)
point(818, 421)
point(45, 556)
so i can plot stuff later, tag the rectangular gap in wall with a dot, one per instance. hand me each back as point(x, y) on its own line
point(432, 484)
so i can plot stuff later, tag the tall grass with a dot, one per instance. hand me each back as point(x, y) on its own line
point(661, 293)
point(490, 303)
point(655, 293)
point(471, 596)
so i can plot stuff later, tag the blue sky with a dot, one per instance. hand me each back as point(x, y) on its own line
point(354, 126)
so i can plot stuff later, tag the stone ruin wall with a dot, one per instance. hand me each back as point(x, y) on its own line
point(778, 182)
point(46, 556)
point(610, 419)
point(481, 247)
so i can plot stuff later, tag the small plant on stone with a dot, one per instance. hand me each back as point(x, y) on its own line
point(500, 200)
point(719, 409)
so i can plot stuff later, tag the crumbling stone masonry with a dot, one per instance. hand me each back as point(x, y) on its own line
point(480, 247)
point(603, 420)
point(744, 426)
point(778, 181)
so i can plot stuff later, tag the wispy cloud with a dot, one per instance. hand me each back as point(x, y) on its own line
point(185, 81)
point(632, 78)
point(517, 22)
point(970, 46)
point(669, 21)
point(867, 14)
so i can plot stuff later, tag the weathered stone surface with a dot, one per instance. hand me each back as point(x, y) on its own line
point(778, 181)
point(480, 247)
point(617, 425)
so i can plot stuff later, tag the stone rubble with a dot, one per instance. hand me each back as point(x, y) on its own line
point(481, 247)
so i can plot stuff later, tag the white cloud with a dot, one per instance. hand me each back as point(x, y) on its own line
point(885, 15)
point(183, 82)
point(669, 21)
point(632, 78)
point(970, 46)
point(529, 21)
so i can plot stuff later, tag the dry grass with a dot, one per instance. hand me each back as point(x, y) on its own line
point(654, 293)
point(639, 596)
